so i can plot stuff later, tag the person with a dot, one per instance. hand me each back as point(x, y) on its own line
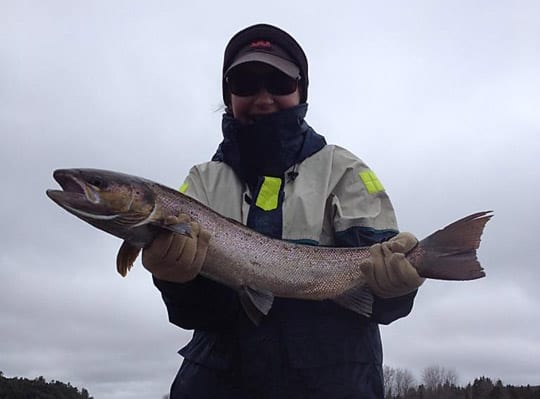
point(275, 174)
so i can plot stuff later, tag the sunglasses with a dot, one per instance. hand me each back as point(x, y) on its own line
point(249, 84)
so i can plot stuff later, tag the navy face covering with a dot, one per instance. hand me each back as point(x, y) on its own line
point(269, 146)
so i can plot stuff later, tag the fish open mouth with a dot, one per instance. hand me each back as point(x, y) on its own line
point(68, 182)
point(78, 196)
point(72, 186)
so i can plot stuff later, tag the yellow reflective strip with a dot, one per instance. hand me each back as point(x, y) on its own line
point(269, 193)
point(184, 187)
point(370, 180)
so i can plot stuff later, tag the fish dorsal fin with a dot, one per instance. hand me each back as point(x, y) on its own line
point(359, 299)
point(126, 257)
point(256, 304)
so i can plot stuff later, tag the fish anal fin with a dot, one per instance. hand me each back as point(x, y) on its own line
point(256, 304)
point(359, 299)
point(126, 257)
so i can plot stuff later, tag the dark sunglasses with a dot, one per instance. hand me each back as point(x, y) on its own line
point(249, 84)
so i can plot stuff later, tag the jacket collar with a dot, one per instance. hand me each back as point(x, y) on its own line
point(269, 146)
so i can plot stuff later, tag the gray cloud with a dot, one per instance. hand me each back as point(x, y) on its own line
point(440, 100)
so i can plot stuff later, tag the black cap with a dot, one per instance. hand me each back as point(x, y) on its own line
point(268, 44)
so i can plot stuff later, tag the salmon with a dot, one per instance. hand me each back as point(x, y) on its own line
point(258, 267)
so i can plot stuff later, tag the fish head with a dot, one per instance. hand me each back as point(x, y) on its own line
point(111, 201)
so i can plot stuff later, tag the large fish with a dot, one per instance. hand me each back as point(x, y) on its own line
point(259, 267)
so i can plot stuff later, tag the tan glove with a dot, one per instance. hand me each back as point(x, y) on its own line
point(388, 273)
point(174, 257)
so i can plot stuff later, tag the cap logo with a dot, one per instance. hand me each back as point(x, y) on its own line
point(261, 44)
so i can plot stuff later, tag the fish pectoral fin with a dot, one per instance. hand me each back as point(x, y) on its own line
point(359, 299)
point(256, 304)
point(126, 257)
point(180, 228)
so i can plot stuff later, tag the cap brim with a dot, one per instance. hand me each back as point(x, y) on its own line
point(285, 66)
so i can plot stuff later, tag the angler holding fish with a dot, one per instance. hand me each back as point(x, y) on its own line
point(282, 253)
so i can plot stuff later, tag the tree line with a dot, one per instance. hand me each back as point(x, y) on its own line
point(440, 383)
point(436, 383)
point(39, 388)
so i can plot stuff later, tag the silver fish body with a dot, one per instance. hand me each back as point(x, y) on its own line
point(259, 267)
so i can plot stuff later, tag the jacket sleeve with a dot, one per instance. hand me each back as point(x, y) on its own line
point(200, 303)
point(362, 216)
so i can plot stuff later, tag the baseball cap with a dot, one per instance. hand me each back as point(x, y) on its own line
point(269, 53)
point(271, 45)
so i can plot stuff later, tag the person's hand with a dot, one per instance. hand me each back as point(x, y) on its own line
point(174, 257)
point(388, 273)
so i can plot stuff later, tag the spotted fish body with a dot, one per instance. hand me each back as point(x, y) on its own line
point(259, 267)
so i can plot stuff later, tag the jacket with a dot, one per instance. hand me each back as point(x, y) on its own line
point(313, 193)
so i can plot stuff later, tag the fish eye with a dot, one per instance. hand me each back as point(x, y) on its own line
point(96, 182)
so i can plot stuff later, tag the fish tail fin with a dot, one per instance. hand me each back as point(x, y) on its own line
point(450, 253)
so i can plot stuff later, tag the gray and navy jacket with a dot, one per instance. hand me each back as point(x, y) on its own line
point(295, 187)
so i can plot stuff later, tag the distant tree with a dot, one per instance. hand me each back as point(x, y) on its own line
point(440, 383)
point(39, 388)
point(389, 375)
point(404, 381)
point(436, 376)
point(443, 385)
point(40, 380)
point(450, 377)
point(397, 382)
point(481, 388)
point(432, 377)
point(497, 392)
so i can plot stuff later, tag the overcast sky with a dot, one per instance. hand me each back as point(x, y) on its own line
point(440, 98)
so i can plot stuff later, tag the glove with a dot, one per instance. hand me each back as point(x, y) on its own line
point(174, 257)
point(388, 273)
